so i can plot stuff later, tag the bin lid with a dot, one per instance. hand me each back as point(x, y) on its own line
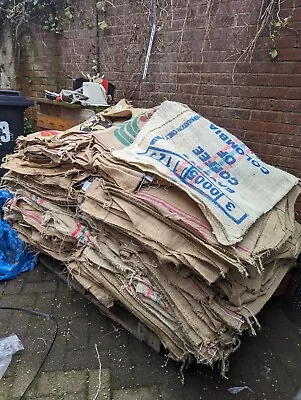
point(14, 98)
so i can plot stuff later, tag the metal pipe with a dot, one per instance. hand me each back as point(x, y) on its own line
point(151, 39)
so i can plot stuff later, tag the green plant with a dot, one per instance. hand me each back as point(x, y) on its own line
point(47, 13)
point(100, 7)
point(95, 67)
point(277, 25)
point(102, 25)
point(270, 16)
point(28, 125)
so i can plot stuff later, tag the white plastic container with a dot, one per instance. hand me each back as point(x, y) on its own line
point(96, 94)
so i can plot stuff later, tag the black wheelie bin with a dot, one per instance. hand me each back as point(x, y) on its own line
point(12, 107)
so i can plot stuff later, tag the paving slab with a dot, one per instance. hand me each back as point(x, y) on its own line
point(6, 385)
point(61, 383)
point(145, 393)
point(104, 385)
point(27, 366)
point(15, 286)
point(39, 287)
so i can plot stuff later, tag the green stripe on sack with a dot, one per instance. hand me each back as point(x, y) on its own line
point(122, 136)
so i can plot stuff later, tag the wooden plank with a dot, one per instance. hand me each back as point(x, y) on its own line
point(117, 313)
point(61, 116)
point(78, 114)
point(45, 121)
point(40, 101)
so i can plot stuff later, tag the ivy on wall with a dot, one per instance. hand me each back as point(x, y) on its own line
point(49, 14)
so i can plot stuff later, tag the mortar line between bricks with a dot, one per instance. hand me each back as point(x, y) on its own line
point(65, 354)
point(87, 384)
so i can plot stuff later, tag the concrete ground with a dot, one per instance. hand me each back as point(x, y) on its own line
point(270, 364)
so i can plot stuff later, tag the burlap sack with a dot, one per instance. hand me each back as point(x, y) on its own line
point(217, 170)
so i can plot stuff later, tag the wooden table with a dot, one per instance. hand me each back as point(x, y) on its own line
point(58, 115)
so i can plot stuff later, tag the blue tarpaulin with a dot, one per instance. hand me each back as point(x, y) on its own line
point(15, 258)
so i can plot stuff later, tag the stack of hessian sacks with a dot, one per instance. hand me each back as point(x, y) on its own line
point(164, 212)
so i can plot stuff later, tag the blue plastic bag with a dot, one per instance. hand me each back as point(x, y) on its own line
point(4, 196)
point(14, 257)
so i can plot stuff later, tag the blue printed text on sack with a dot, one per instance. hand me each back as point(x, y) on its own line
point(192, 176)
point(175, 131)
point(250, 156)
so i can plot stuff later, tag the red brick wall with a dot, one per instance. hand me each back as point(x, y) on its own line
point(260, 102)
point(48, 61)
